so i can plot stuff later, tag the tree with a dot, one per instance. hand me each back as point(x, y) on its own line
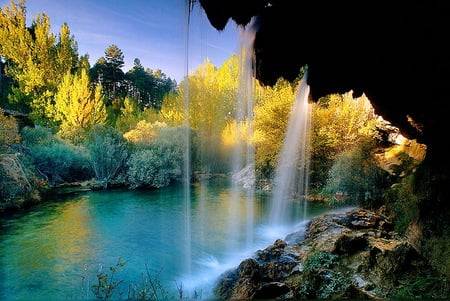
point(35, 58)
point(77, 106)
point(130, 115)
point(141, 84)
point(271, 117)
point(209, 109)
point(107, 72)
point(114, 57)
point(66, 51)
point(340, 123)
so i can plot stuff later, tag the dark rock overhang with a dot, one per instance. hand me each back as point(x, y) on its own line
point(395, 52)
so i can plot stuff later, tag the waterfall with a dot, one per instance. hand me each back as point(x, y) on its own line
point(291, 177)
point(187, 152)
point(243, 156)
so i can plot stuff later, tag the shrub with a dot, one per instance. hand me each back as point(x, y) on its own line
point(9, 131)
point(357, 177)
point(158, 164)
point(320, 260)
point(38, 136)
point(55, 159)
point(108, 151)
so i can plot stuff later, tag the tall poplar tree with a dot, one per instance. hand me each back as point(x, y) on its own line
point(78, 106)
point(35, 58)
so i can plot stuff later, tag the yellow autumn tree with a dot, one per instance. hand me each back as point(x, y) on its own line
point(34, 57)
point(77, 106)
point(172, 111)
point(270, 123)
point(342, 121)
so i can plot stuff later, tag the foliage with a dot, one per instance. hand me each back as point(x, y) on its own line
point(35, 58)
point(107, 72)
point(340, 123)
point(159, 163)
point(424, 287)
point(319, 279)
point(130, 115)
point(9, 132)
point(357, 177)
point(320, 260)
point(108, 151)
point(208, 96)
point(144, 132)
point(148, 87)
point(271, 117)
point(14, 182)
point(172, 111)
point(61, 163)
point(106, 284)
point(54, 159)
point(77, 107)
point(38, 136)
point(402, 201)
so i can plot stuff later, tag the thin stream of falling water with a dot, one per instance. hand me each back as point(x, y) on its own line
point(307, 161)
point(187, 153)
point(243, 149)
point(293, 156)
point(248, 77)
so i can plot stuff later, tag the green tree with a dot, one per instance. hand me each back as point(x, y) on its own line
point(107, 72)
point(162, 86)
point(141, 84)
point(130, 115)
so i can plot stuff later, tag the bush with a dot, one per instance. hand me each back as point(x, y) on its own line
point(38, 136)
point(158, 164)
point(9, 131)
point(108, 151)
point(357, 177)
point(61, 162)
point(14, 182)
point(54, 159)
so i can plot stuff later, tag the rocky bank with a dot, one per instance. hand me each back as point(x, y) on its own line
point(351, 255)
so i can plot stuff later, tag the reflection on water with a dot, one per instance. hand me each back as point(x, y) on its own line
point(55, 250)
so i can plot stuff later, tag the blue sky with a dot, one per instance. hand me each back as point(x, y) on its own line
point(152, 30)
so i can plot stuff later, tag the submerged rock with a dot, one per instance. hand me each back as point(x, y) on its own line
point(352, 255)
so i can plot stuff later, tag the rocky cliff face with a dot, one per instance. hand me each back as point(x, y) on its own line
point(352, 255)
point(394, 52)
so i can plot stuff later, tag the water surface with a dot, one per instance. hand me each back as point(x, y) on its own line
point(54, 250)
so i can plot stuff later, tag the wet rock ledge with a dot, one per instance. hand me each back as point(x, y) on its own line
point(351, 255)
